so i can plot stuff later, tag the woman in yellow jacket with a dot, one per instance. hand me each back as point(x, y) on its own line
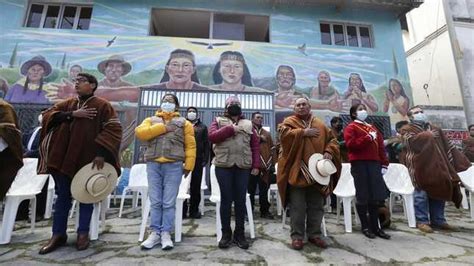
point(171, 143)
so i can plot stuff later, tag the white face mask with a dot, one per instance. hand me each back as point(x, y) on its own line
point(192, 116)
point(362, 115)
point(420, 117)
point(40, 118)
point(168, 107)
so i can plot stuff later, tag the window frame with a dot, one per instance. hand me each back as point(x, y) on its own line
point(62, 7)
point(345, 33)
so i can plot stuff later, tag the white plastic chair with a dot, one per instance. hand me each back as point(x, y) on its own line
point(216, 198)
point(49, 198)
point(398, 181)
point(203, 188)
point(178, 221)
point(26, 186)
point(345, 189)
point(273, 189)
point(137, 183)
point(467, 178)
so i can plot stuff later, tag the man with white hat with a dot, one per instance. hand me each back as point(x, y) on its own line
point(80, 141)
point(309, 156)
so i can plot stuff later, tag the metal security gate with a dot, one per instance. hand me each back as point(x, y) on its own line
point(209, 104)
point(382, 123)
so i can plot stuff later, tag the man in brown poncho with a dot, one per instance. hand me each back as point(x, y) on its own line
point(433, 163)
point(302, 135)
point(76, 132)
point(11, 152)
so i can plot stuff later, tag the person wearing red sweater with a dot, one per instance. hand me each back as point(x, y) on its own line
point(236, 146)
point(368, 165)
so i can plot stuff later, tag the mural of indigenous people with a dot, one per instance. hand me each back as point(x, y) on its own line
point(357, 94)
point(114, 68)
point(3, 87)
point(32, 88)
point(324, 95)
point(286, 94)
point(231, 73)
point(180, 72)
point(73, 71)
point(66, 88)
point(396, 102)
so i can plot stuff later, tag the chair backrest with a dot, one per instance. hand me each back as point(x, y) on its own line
point(398, 179)
point(215, 189)
point(27, 181)
point(345, 186)
point(138, 176)
point(467, 178)
point(184, 185)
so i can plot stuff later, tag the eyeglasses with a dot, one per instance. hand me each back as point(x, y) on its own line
point(80, 80)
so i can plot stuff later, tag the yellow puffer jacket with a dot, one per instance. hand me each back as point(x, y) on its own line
point(147, 131)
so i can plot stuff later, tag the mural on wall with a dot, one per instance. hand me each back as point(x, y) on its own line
point(42, 65)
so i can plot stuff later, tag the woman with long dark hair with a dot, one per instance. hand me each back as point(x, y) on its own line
point(396, 101)
point(368, 165)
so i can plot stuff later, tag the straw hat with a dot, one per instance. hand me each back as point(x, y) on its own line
point(92, 185)
point(37, 60)
point(118, 59)
point(321, 169)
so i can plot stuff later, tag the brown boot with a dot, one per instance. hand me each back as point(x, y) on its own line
point(55, 242)
point(82, 241)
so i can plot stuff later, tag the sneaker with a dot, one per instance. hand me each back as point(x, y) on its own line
point(153, 239)
point(240, 241)
point(225, 241)
point(166, 242)
point(425, 228)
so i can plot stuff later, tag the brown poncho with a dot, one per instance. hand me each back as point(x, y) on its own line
point(11, 158)
point(69, 146)
point(297, 148)
point(433, 162)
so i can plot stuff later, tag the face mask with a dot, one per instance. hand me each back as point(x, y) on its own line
point(362, 115)
point(168, 107)
point(40, 118)
point(192, 116)
point(420, 117)
point(234, 110)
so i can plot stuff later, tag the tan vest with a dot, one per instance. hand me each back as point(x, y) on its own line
point(236, 149)
point(169, 145)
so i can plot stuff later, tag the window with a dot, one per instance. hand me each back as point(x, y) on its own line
point(346, 35)
point(58, 16)
point(209, 25)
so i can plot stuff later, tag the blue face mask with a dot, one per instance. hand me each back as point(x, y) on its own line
point(420, 117)
point(168, 107)
point(362, 115)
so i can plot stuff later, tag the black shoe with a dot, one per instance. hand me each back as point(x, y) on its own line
point(240, 241)
point(267, 215)
point(368, 233)
point(226, 240)
point(196, 215)
point(382, 234)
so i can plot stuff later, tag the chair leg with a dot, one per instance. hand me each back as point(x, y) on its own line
point(103, 211)
point(346, 204)
point(408, 205)
point(146, 212)
point(178, 220)
point(464, 199)
point(279, 204)
point(122, 201)
point(338, 209)
point(49, 204)
point(201, 203)
point(94, 225)
point(390, 202)
point(8, 221)
point(218, 221)
point(250, 216)
point(135, 200)
point(33, 212)
point(471, 201)
point(323, 227)
point(71, 212)
point(356, 214)
point(76, 208)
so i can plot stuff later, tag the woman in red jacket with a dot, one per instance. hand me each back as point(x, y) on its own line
point(368, 165)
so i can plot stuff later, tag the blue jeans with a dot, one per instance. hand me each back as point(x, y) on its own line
point(427, 209)
point(63, 205)
point(163, 185)
point(233, 185)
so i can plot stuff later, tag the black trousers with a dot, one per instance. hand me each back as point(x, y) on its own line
point(195, 189)
point(255, 180)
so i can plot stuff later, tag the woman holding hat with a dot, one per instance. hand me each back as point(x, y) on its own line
point(368, 165)
point(237, 155)
point(171, 152)
point(32, 89)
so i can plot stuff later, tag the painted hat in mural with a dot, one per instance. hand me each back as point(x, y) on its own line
point(117, 59)
point(37, 60)
point(321, 169)
point(93, 185)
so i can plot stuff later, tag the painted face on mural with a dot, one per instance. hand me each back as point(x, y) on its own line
point(35, 73)
point(74, 71)
point(285, 78)
point(355, 82)
point(113, 71)
point(232, 71)
point(324, 79)
point(395, 88)
point(180, 70)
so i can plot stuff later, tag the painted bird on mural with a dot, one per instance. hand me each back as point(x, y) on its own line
point(109, 43)
point(302, 49)
point(211, 45)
